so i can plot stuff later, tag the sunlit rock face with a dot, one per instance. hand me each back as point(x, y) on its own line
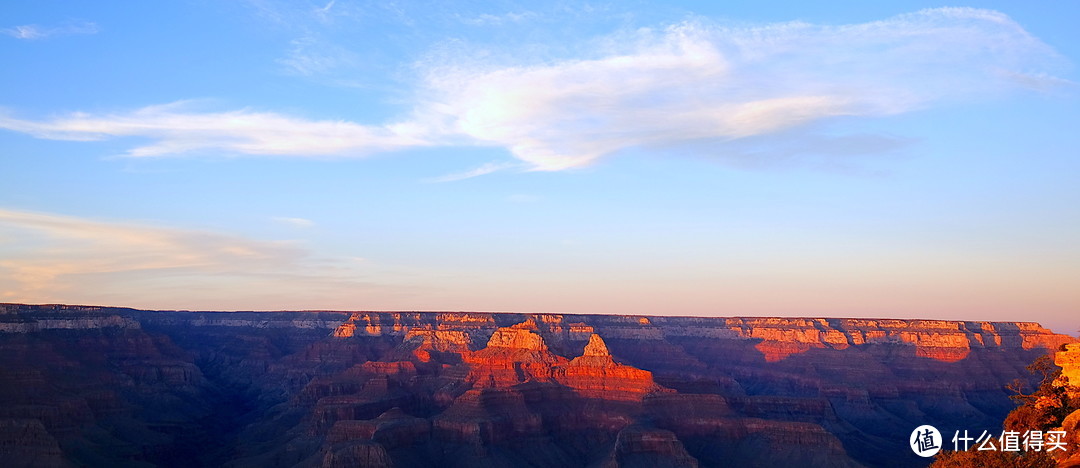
point(1069, 361)
point(107, 386)
point(513, 355)
point(595, 374)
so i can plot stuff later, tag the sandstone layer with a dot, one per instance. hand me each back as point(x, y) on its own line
point(122, 387)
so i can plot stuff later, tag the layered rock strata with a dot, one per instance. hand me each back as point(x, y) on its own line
point(1068, 359)
point(93, 385)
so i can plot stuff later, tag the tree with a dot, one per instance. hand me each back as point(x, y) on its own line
point(993, 459)
point(1041, 410)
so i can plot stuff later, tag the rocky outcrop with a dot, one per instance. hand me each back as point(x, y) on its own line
point(16, 318)
point(513, 355)
point(352, 443)
point(518, 354)
point(1068, 358)
point(518, 337)
point(942, 340)
point(98, 396)
point(487, 416)
point(595, 374)
point(357, 453)
point(637, 446)
point(1071, 426)
point(26, 442)
point(94, 385)
point(1069, 361)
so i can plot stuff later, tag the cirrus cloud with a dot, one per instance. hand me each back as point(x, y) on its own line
point(47, 257)
point(294, 222)
point(176, 128)
point(53, 247)
point(680, 85)
point(32, 32)
point(696, 81)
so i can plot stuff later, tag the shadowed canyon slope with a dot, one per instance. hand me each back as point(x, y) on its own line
point(122, 387)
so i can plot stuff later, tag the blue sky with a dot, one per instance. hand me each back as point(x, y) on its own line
point(782, 158)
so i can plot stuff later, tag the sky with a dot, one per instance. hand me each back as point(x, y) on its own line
point(836, 159)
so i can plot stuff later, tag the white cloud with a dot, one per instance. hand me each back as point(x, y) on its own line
point(174, 129)
point(485, 169)
point(309, 56)
point(695, 81)
point(47, 257)
point(325, 9)
point(488, 19)
point(33, 31)
point(294, 222)
point(676, 86)
point(47, 249)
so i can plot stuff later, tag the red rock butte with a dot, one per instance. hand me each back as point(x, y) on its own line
point(323, 388)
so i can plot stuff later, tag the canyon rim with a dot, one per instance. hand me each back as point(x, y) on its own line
point(123, 387)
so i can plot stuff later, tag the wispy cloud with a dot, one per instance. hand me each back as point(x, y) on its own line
point(797, 148)
point(294, 222)
point(326, 8)
point(33, 31)
point(488, 19)
point(693, 84)
point(485, 169)
point(176, 129)
point(697, 81)
point(48, 249)
point(49, 257)
point(309, 56)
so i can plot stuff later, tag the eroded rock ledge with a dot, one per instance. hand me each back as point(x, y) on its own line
point(324, 388)
point(775, 337)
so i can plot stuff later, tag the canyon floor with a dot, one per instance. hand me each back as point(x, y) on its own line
point(101, 386)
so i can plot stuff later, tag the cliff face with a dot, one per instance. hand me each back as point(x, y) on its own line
point(1068, 359)
point(90, 385)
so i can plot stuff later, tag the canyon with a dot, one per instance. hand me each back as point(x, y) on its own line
point(104, 386)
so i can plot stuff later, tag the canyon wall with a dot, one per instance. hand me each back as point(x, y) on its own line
point(1068, 359)
point(122, 387)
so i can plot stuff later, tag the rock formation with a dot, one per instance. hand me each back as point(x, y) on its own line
point(111, 386)
point(595, 374)
point(513, 355)
point(1068, 359)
